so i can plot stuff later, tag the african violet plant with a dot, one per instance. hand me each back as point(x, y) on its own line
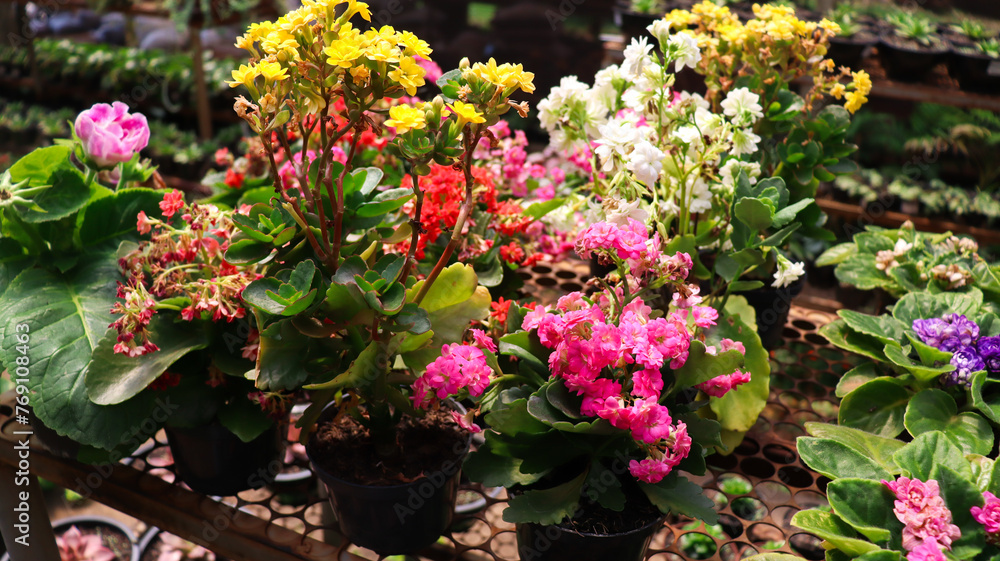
point(338, 303)
point(905, 260)
point(929, 499)
point(600, 383)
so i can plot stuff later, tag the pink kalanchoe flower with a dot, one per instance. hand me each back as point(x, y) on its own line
point(110, 134)
point(920, 507)
point(927, 551)
point(721, 385)
point(458, 367)
point(650, 421)
point(989, 514)
point(483, 341)
point(465, 421)
point(142, 223)
point(649, 470)
point(704, 316)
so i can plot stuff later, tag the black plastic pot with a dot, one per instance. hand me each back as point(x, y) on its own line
point(975, 72)
point(92, 521)
point(772, 306)
point(57, 444)
point(214, 461)
point(633, 24)
point(544, 543)
point(393, 519)
point(850, 51)
point(906, 64)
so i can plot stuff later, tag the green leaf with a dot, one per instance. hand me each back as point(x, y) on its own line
point(755, 213)
point(38, 165)
point(832, 528)
point(113, 378)
point(836, 255)
point(256, 294)
point(67, 315)
point(877, 448)
point(678, 495)
point(935, 410)
point(540, 209)
point(547, 506)
point(67, 194)
point(701, 366)
point(282, 359)
point(527, 349)
point(384, 202)
point(873, 242)
point(865, 504)
point(885, 328)
point(787, 214)
point(982, 471)
point(960, 494)
point(897, 356)
point(245, 250)
point(605, 491)
point(114, 217)
point(985, 395)
point(739, 408)
point(927, 353)
point(840, 335)
point(859, 270)
point(483, 465)
point(367, 178)
point(855, 377)
point(244, 418)
point(876, 407)
point(928, 451)
point(836, 460)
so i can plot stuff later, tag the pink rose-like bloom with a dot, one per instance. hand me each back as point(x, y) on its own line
point(989, 514)
point(110, 134)
point(704, 316)
point(459, 366)
point(927, 551)
point(648, 470)
point(483, 341)
point(920, 507)
point(721, 385)
point(171, 203)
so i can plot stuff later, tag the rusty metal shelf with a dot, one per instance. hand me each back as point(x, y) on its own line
point(257, 525)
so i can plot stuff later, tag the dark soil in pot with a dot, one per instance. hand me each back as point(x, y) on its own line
point(850, 51)
point(975, 72)
point(906, 60)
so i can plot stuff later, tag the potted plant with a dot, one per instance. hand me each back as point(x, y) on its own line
point(341, 312)
point(62, 227)
point(976, 65)
point(856, 37)
point(911, 47)
point(592, 407)
point(157, 545)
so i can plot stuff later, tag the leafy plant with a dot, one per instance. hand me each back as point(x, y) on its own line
point(914, 26)
point(845, 15)
point(972, 29)
point(990, 47)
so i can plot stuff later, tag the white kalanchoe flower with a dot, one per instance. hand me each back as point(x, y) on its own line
point(744, 142)
point(636, 58)
point(901, 247)
point(618, 211)
point(730, 172)
point(682, 48)
point(787, 272)
point(742, 107)
point(646, 162)
point(616, 137)
point(659, 29)
point(688, 135)
point(701, 196)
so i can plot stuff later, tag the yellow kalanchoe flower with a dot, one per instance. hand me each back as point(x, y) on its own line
point(830, 26)
point(360, 8)
point(838, 91)
point(854, 101)
point(862, 82)
point(244, 75)
point(403, 118)
point(272, 71)
point(505, 75)
point(383, 51)
point(414, 45)
point(468, 112)
point(342, 53)
point(408, 74)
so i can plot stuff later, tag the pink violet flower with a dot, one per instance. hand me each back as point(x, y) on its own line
point(110, 134)
point(989, 514)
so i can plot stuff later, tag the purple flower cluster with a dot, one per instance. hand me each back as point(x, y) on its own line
point(959, 335)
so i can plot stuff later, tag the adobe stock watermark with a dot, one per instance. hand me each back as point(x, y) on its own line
point(430, 485)
point(565, 9)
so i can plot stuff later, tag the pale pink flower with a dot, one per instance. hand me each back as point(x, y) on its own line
point(465, 421)
point(142, 223)
point(927, 551)
point(110, 134)
point(704, 316)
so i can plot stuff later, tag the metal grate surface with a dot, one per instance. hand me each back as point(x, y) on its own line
point(757, 489)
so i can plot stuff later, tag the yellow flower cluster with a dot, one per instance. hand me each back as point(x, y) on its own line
point(862, 86)
point(507, 76)
point(404, 118)
point(246, 74)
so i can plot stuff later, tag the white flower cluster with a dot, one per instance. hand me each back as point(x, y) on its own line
point(649, 137)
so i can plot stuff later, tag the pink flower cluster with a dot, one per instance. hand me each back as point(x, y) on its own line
point(928, 529)
point(989, 516)
point(459, 366)
point(631, 243)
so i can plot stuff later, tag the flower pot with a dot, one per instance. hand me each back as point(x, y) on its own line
point(542, 543)
point(906, 63)
point(633, 24)
point(975, 72)
point(772, 306)
point(114, 535)
point(396, 518)
point(57, 444)
point(850, 51)
point(214, 461)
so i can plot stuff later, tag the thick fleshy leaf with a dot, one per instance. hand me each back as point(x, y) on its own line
point(244, 418)
point(678, 495)
point(935, 410)
point(929, 451)
point(836, 460)
point(738, 409)
point(496, 470)
point(547, 506)
point(830, 527)
point(876, 407)
point(879, 449)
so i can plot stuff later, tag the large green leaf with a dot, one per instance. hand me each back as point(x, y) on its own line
point(960, 494)
point(935, 410)
point(38, 165)
point(547, 506)
point(879, 449)
point(840, 335)
point(857, 376)
point(836, 460)
point(496, 470)
point(113, 378)
point(929, 451)
point(866, 505)
point(986, 395)
point(282, 359)
point(859, 270)
point(832, 528)
point(885, 328)
point(921, 305)
point(876, 407)
point(244, 418)
point(678, 495)
point(701, 366)
point(113, 218)
point(67, 194)
point(899, 356)
point(836, 254)
point(67, 316)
